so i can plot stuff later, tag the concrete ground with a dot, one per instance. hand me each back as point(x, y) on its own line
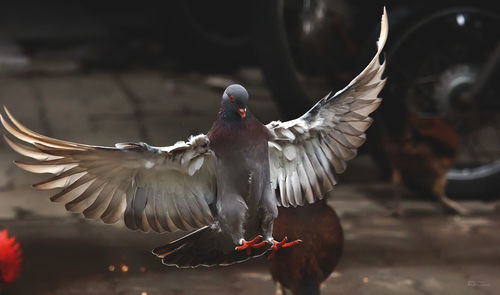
point(425, 252)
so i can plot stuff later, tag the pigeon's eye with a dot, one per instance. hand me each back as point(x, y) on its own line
point(232, 98)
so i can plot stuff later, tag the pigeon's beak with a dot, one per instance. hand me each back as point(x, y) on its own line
point(243, 113)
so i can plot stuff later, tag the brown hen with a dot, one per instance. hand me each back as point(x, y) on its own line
point(302, 268)
point(421, 153)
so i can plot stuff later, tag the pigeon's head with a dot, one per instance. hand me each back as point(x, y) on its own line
point(235, 99)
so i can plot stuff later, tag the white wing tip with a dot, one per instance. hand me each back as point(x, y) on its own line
point(384, 31)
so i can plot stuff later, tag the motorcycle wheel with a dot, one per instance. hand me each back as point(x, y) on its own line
point(431, 65)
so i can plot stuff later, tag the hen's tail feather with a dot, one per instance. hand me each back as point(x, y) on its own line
point(204, 247)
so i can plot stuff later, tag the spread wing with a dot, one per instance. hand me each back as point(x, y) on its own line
point(307, 153)
point(151, 188)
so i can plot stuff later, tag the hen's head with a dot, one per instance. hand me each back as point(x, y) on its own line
point(10, 258)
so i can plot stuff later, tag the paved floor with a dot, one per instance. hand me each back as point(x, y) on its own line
point(425, 252)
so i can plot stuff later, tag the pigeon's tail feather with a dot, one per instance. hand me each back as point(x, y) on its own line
point(205, 247)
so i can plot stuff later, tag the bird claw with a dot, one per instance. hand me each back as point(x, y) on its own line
point(248, 245)
point(283, 244)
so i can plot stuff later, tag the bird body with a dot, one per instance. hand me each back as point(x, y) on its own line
point(304, 267)
point(226, 185)
point(244, 195)
point(421, 151)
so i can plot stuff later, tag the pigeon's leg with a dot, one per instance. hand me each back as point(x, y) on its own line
point(283, 244)
point(438, 189)
point(231, 218)
point(248, 245)
point(231, 213)
point(269, 210)
point(270, 213)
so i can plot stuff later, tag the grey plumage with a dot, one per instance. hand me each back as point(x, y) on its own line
point(317, 145)
point(226, 184)
point(106, 182)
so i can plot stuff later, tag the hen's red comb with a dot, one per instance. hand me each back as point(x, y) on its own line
point(10, 258)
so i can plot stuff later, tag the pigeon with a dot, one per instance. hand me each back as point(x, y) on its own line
point(224, 186)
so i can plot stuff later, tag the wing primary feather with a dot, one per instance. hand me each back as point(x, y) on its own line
point(116, 210)
point(339, 163)
point(29, 139)
point(100, 204)
point(40, 137)
point(83, 201)
point(344, 152)
point(318, 168)
point(325, 163)
point(322, 164)
point(117, 204)
point(311, 174)
point(44, 167)
point(29, 151)
point(63, 180)
point(69, 193)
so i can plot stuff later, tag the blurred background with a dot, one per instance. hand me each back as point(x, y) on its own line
point(101, 73)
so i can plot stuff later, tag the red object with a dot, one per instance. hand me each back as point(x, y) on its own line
point(247, 245)
point(283, 244)
point(10, 258)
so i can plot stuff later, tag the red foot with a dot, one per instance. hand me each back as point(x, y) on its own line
point(251, 244)
point(283, 244)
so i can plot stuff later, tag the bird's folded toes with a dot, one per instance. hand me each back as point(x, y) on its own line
point(248, 245)
point(282, 244)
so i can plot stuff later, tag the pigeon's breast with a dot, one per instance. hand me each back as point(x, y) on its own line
point(241, 151)
point(243, 139)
